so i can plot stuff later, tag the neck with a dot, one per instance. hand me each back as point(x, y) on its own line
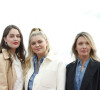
point(40, 57)
point(13, 52)
point(84, 59)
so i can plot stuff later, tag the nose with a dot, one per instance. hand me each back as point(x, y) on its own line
point(15, 38)
point(37, 44)
point(84, 45)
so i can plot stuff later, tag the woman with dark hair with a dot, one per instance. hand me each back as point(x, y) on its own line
point(12, 59)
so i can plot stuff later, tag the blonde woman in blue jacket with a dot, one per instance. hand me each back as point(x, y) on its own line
point(43, 70)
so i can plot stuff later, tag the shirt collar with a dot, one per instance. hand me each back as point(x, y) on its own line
point(35, 58)
point(50, 56)
point(85, 64)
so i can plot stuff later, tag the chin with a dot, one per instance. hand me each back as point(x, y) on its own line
point(39, 53)
point(15, 47)
point(84, 55)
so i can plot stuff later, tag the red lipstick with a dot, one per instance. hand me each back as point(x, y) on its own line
point(15, 43)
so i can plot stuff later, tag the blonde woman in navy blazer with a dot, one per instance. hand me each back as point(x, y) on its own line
point(84, 72)
point(43, 70)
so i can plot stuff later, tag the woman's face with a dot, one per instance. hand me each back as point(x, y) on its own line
point(13, 39)
point(38, 45)
point(83, 47)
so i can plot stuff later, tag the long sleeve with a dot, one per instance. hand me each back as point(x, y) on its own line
point(3, 74)
point(61, 76)
point(99, 79)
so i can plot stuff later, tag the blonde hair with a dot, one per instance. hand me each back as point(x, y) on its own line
point(34, 32)
point(90, 41)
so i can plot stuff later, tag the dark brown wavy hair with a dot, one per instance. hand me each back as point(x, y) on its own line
point(20, 51)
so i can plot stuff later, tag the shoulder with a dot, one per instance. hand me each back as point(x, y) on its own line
point(71, 64)
point(4, 60)
point(4, 54)
point(52, 56)
point(53, 59)
point(95, 63)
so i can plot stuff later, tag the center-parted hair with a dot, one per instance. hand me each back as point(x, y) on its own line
point(20, 51)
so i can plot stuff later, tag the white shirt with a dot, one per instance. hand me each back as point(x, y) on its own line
point(19, 72)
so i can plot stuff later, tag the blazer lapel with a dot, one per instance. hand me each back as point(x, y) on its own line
point(71, 76)
point(91, 68)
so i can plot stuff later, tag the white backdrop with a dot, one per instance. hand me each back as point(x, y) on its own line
point(61, 20)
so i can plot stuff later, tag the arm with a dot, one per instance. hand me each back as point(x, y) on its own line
point(3, 74)
point(66, 81)
point(99, 79)
point(61, 76)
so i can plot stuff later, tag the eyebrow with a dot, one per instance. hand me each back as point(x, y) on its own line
point(14, 34)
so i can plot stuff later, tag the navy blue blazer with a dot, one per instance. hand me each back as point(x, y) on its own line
point(91, 79)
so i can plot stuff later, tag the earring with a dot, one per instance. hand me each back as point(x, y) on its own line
point(6, 44)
